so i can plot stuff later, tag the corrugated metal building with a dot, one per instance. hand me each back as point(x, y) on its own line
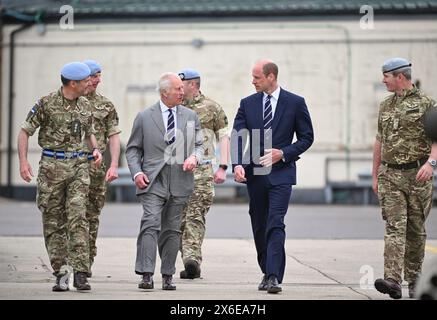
point(327, 51)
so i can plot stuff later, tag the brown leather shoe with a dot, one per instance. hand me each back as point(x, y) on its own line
point(390, 287)
point(146, 281)
point(167, 282)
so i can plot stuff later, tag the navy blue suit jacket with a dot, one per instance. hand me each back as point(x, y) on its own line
point(291, 118)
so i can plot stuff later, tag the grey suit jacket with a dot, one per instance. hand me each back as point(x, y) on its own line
point(148, 152)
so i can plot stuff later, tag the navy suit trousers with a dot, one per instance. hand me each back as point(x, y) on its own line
point(267, 208)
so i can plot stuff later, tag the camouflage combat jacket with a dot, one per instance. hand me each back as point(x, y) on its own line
point(213, 121)
point(400, 127)
point(105, 119)
point(64, 124)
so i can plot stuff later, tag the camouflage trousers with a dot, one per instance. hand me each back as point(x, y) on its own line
point(96, 201)
point(62, 190)
point(194, 214)
point(405, 205)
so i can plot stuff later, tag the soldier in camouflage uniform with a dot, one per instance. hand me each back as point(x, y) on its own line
point(403, 163)
point(107, 131)
point(214, 125)
point(65, 122)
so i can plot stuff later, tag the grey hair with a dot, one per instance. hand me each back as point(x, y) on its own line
point(405, 71)
point(164, 82)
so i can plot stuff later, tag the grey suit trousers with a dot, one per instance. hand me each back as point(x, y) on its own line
point(160, 226)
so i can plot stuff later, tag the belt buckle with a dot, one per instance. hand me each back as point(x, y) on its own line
point(68, 155)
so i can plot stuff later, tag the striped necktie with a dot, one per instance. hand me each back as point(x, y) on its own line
point(170, 138)
point(268, 115)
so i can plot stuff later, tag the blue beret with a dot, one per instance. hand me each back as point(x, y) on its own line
point(188, 74)
point(395, 64)
point(94, 66)
point(75, 71)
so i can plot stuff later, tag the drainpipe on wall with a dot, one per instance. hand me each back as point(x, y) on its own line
point(11, 101)
point(1, 78)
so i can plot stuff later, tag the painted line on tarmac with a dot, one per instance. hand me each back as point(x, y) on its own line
point(431, 249)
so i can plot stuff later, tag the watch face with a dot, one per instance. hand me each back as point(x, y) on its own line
point(433, 162)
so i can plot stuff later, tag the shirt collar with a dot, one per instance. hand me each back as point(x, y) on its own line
point(275, 94)
point(164, 108)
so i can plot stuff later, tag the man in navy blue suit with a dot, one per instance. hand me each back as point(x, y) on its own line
point(269, 119)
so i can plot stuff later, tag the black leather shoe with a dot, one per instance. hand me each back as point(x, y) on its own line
point(89, 274)
point(80, 282)
point(390, 287)
point(412, 289)
point(273, 285)
point(61, 282)
point(192, 270)
point(263, 285)
point(146, 281)
point(167, 282)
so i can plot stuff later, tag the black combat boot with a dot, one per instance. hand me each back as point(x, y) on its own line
point(390, 287)
point(192, 270)
point(80, 281)
point(412, 289)
point(61, 282)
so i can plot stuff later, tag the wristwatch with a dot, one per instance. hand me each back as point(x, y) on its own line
point(432, 162)
point(223, 166)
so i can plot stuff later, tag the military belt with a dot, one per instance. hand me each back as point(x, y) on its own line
point(205, 162)
point(406, 166)
point(66, 155)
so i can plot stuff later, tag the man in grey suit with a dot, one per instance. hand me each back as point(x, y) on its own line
point(162, 152)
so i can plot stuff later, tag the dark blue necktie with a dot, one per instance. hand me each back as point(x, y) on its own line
point(268, 114)
point(170, 127)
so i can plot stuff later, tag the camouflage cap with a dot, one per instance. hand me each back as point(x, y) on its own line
point(75, 71)
point(395, 64)
point(94, 66)
point(189, 74)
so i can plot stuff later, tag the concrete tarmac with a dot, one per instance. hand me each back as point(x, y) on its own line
point(332, 268)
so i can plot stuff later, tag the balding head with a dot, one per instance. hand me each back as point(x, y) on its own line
point(264, 76)
point(268, 66)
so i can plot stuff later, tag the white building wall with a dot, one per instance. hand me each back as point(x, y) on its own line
point(326, 62)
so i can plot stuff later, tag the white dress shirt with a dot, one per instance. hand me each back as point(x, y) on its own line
point(165, 113)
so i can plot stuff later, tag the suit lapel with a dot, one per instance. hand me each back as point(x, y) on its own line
point(181, 121)
point(280, 107)
point(157, 118)
point(259, 112)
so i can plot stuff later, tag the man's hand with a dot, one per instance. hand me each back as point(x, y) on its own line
point(239, 174)
point(97, 157)
point(26, 171)
point(190, 163)
point(141, 181)
point(111, 174)
point(220, 176)
point(425, 173)
point(375, 185)
point(270, 157)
